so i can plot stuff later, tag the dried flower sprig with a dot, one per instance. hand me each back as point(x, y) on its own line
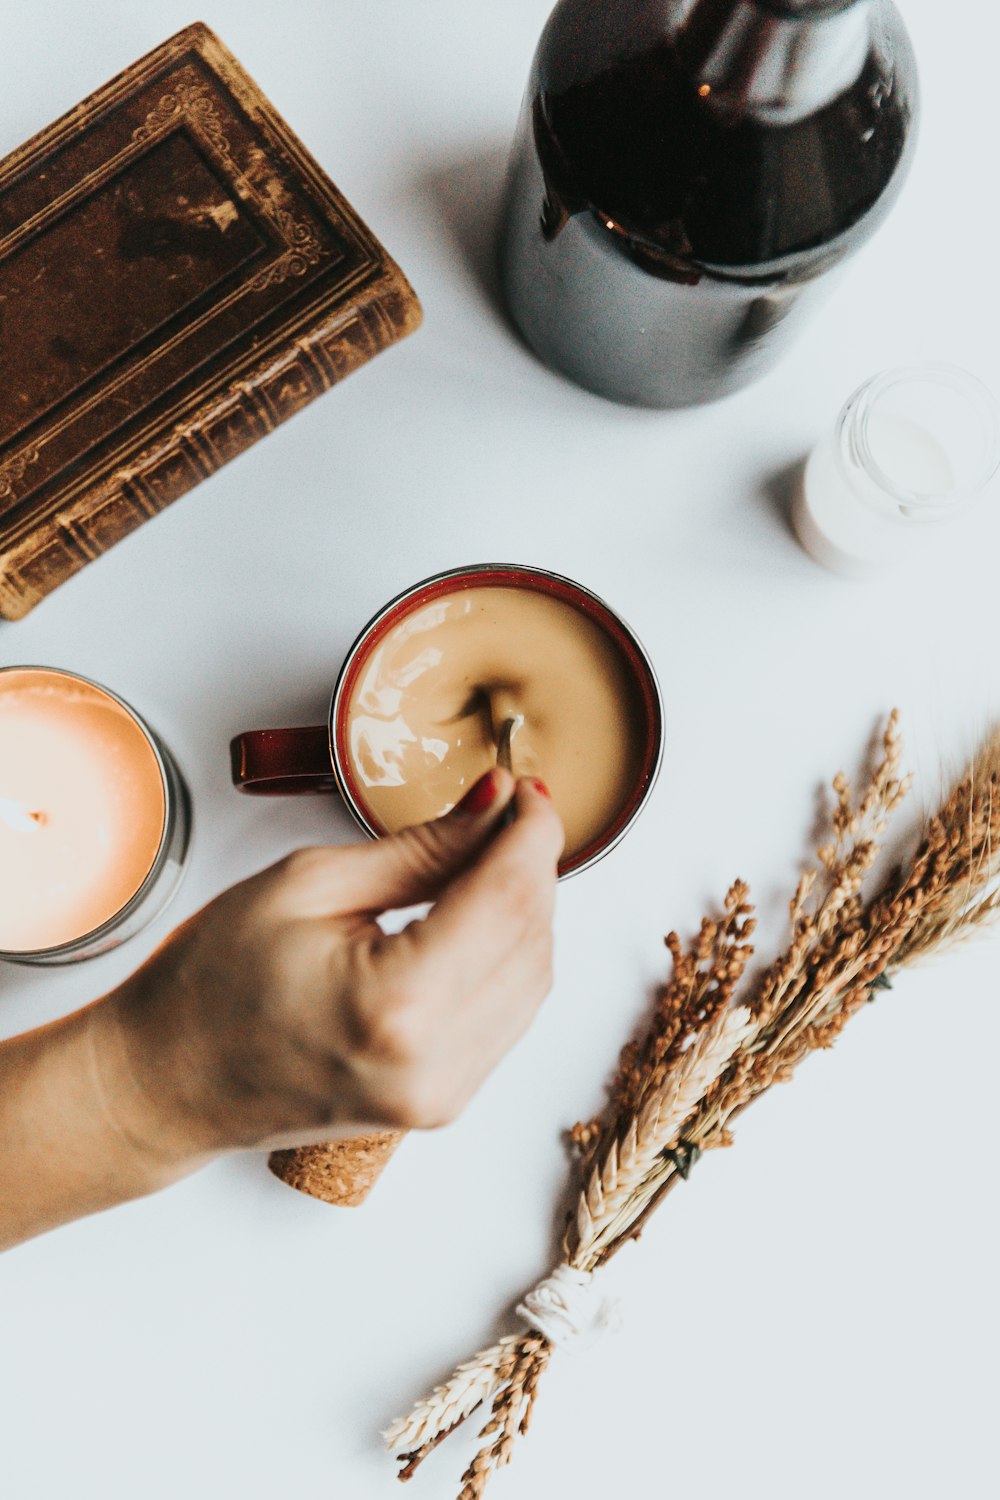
point(625, 1176)
point(700, 1061)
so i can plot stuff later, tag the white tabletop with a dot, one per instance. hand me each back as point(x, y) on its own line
point(816, 1311)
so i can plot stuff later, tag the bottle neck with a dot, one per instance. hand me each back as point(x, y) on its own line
point(779, 60)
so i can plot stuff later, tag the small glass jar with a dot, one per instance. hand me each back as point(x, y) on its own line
point(912, 447)
point(95, 816)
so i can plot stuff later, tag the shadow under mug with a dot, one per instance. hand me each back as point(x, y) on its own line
point(316, 758)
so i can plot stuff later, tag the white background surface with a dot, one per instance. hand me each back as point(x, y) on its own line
point(816, 1312)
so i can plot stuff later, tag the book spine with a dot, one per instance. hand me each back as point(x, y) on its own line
point(189, 452)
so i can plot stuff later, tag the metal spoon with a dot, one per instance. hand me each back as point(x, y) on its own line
point(508, 730)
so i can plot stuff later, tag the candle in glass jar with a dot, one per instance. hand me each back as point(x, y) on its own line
point(429, 698)
point(83, 808)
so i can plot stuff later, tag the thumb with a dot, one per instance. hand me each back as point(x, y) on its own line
point(408, 867)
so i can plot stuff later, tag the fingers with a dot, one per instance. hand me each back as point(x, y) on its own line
point(507, 895)
point(420, 1041)
point(402, 869)
point(478, 1038)
point(416, 1021)
point(493, 1020)
point(434, 1007)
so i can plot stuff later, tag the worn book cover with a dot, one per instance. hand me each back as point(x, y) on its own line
point(177, 276)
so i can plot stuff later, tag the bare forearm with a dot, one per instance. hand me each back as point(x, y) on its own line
point(64, 1151)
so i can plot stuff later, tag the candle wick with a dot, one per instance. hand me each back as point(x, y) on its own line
point(18, 818)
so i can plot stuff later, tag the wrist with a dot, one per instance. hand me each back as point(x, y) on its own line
point(156, 1141)
point(71, 1141)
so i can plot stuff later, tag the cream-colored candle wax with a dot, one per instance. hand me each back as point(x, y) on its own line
point(82, 808)
point(429, 702)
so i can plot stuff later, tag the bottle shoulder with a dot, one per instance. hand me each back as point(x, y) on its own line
point(622, 129)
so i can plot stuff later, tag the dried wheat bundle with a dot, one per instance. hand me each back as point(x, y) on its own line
point(702, 1059)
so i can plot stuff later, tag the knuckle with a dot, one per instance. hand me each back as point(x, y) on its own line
point(437, 1116)
point(301, 864)
point(395, 1038)
point(359, 1024)
point(420, 850)
point(417, 1105)
point(387, 1016)
point(280, 960)
point(385, 1025)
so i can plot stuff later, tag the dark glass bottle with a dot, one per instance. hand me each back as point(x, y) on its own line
point(686, 171)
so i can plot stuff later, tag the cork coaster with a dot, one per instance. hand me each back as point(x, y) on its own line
point(339, 1172)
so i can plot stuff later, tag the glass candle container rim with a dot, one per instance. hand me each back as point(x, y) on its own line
point(854, 436)
point(85, 940)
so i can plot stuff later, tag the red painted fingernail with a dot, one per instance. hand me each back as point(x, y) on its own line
point(541, 787)
point(480, 797)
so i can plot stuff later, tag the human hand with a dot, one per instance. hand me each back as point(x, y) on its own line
point(282, 1013)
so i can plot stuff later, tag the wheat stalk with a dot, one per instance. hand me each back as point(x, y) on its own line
point(473, 1382)
point(510, 1416)
point(615, 1187)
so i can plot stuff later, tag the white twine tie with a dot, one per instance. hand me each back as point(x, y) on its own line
point(565, 1307)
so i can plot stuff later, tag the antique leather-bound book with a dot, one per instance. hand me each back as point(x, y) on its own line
point(177, 276)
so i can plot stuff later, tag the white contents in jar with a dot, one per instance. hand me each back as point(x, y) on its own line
point(850, 522)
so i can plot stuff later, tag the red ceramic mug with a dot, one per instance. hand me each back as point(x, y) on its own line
point(317, 759)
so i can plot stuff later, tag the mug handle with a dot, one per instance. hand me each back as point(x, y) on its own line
point(279, 762)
